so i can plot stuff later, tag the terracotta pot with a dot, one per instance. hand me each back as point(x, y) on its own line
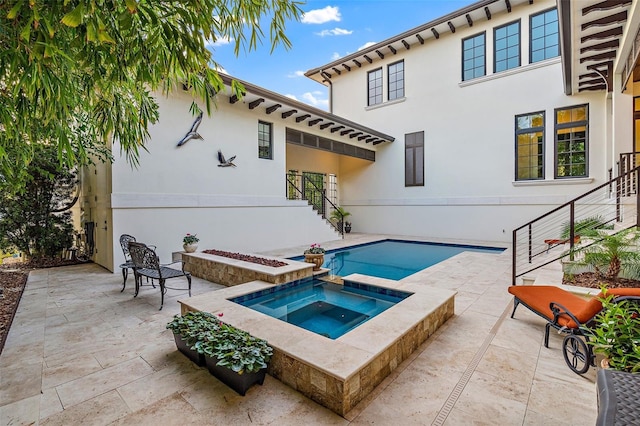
point(190, 248)
point(316, 259)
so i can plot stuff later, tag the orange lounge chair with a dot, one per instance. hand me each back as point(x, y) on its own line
point(556, 242)
point(570, 314)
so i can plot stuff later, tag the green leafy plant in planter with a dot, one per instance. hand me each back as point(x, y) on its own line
point(585, 227)
point(190, 329)
point(617, 333)
point(234, 356)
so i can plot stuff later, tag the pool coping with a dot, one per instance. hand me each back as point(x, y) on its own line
point(342, 372)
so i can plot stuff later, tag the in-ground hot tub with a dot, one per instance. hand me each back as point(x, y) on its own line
point(337, 373)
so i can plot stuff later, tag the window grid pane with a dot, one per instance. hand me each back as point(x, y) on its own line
point(396, 80)
point(473, 57)
point(572, 142)
point(507, 47)
point(544, 36)
point(375, 87)
point(530, 146)
point(265, 147)
point(414, 159)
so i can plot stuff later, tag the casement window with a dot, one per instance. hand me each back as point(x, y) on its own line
point(414, 159)
point(374, 86)
point(473, 57)
point(530, 146)
point(572, 142)
point(265, 140)
point(395, 73)
point(506, 50)
point(544, 36)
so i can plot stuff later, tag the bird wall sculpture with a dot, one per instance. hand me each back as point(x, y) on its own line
point(193, 132)
point(224, 162)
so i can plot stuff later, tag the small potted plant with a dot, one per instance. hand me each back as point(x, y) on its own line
point(314, 254)
point(190, 243)
point(338, 215)
point(617, 333)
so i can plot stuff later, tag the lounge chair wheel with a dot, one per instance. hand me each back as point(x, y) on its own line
point(576, 354)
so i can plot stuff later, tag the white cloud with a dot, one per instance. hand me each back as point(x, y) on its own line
point(220, 41)
point(296, 74)
point(311, 98)
point(320, 16)
point(292, 97)
point(335, 56)
point(367, 44)
point(334, 32)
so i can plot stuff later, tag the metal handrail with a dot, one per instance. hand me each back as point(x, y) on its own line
point(625, 185)
point(317, 191)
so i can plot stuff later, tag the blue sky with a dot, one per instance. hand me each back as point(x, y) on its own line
point(327, 31)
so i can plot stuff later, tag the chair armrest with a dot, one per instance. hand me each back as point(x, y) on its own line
point(559, 310)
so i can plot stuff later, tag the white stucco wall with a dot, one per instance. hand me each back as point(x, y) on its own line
point(179, 190)
point(470, 189)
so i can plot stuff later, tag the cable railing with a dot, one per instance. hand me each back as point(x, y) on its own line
point(305, 187)
point(544, 239)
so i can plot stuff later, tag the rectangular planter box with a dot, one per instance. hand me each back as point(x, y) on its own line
point(188, 352)
point(238, 382)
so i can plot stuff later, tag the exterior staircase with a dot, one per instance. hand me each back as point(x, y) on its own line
point(555, 234)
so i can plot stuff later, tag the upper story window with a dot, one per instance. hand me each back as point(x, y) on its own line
point(396, 80)
point(473, 57)
point(544, 36)
point(530, 146)
point(374, 85)
point(265, 140)
point(506, 47)
point(414, 159)
point(571, 128)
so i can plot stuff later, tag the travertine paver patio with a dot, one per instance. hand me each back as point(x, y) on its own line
point(81, 352)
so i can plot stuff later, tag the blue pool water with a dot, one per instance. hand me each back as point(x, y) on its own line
point(325, 308)
point(393, 259)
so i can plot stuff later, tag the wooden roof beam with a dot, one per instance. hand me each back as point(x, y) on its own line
point(392, 49)
point(613, 44)
point(508, 4)
point(353, 135)
point(314, 122)
point(487, 12)
point(302, 117)
point(335, 129)
point(380, 55)
point(451, 27)
point(605, 5)
point(272, 108)
point(606, 20)
point(346, 132)
point(613, 32)
point(233, 99)
point(347, 67)
point(357, 63)
point(368, 59)
point(325, 125)
point(406, 45)
point(289, 113)
point(420, 39)
point(469, 20)
point(255, 103)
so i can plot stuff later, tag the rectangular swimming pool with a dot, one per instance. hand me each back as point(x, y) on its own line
point(393, 259)
point(328, 309)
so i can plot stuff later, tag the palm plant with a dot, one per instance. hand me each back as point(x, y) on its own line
point(338, 215)
point(614, 253)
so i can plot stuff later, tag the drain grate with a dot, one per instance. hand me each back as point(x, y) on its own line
point(457, 390)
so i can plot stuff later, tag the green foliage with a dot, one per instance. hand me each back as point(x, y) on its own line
point(339, 213)
point(617, 333)
point(585, 227)
point(79, 74)
point(233, 348)
point(37, 220)
point(611, 254)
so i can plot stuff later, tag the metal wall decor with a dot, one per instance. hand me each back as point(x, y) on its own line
point(224, 162)
point(193, 132)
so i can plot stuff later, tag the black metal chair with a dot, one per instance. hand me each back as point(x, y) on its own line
point(125, 239)
point(147, 264)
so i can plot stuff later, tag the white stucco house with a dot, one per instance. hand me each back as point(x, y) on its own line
point(460, 129)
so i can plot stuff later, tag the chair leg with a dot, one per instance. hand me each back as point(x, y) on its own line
point(189, 279)
point(516, 302)
point(162, 292)
point(137, 279)
point(125, 274)
point(547, 328)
